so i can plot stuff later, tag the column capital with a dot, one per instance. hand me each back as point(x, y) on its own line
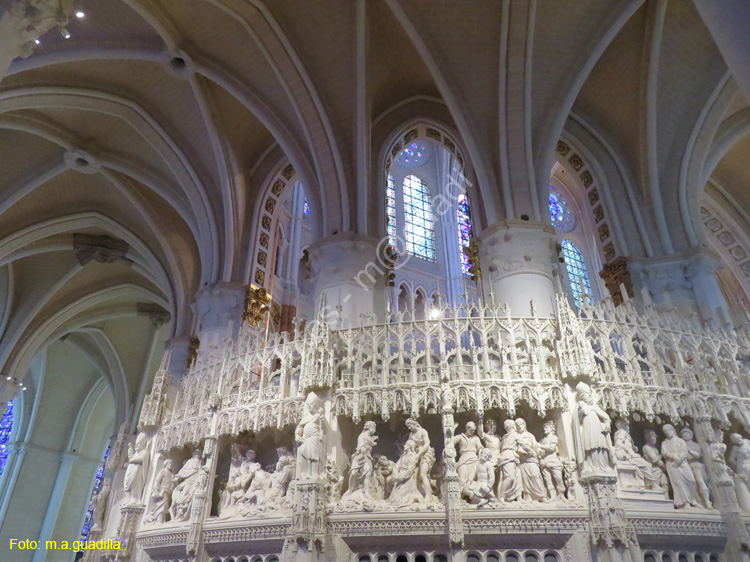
point(218, 306)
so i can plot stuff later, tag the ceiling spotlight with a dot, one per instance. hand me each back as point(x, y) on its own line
point(80, 14)
point(434, 313)
point(37, 41)
point(7, 378)
point(65, 33)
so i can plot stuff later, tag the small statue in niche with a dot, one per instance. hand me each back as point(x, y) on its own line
point(161, 494)
point(695, 459)
point(676, 454)
point(627, 456)
point(509, 486)
point(469, 446)
point(279, 482)
point(309, 436)
point(570, 471)
point(362, 468)
point(653, 456)
point(480, 491)
point(718, 451)
point(182, 496)
point(426, 456)
point(550, 462)
point(136, 471)
point(256, 491)
point(532, 483)
point(595, 427)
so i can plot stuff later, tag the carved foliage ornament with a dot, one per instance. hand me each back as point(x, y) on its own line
point(257, 302)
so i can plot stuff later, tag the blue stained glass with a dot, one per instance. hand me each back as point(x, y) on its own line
point(576, 271)
point(6, 425)
point(390, 207)
point(98, 481)
point(464, 230)
point(305, 207)
point(559, 211)
point(420, 223)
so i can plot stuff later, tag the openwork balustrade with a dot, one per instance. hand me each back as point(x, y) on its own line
point(476, 357)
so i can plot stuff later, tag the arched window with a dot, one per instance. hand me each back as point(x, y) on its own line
point(419, 222)
point(464, 230)
point(6, 425)
point(390, 207)
point(560, 213)
point(98, 481)
point(576, 270)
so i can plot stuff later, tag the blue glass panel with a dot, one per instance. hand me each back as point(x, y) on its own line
point(98, 481)
point(464, 230)
point(420, 223)
point(559, 211)
point(6, 425)
point(576, 271)
point(305, 207)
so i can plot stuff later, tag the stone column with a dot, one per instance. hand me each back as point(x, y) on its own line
point(684, 282)
point(519, 261)
point(67, 460)
point(349, 277)
point(218, 307)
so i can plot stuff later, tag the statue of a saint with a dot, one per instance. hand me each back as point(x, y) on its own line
point(550, 462)
point(652, 454)
point(309, 436)
point(404, 478)
point(676, 454)
point(469, 445)
point(425, 454)
point(480, 491)
point(509, 486)
point(136, 471)
point(161, 494)
point(695, 458)
point(595, 426)
point(532, 483)
point(182, 496)
point(361, 471)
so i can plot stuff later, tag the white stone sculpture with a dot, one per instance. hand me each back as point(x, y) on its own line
point(256, 491)
point(136, 471)
point(550, 462)
point(182, 496)
point(100, 506)
point(633, 470)
point(652, 454)
point(509, 486)
point(469, 445)
point(532, 483)
point(382, 484)
point(426, 455)
point(491, 439)
point(676, 454)
point(279, 482)
point(695, 458)
point(362, 467)
point(161, 494)
point(309, 436)
point(481, 490)
point(405, 490)
point(334, 481)
point(739, 457)
point(595, 427)
point(234, 480)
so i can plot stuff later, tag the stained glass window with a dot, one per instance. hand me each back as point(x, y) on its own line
point(390, 207)
point(305, 207)
point(464, 230)
point(560, 213)
point(6, 425)
point(98, 481)
point(576, 271)
point(414, 155)
point(420, 223)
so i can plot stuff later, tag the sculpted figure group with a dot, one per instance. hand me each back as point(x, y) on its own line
point(172, 494)
point(381, 483)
